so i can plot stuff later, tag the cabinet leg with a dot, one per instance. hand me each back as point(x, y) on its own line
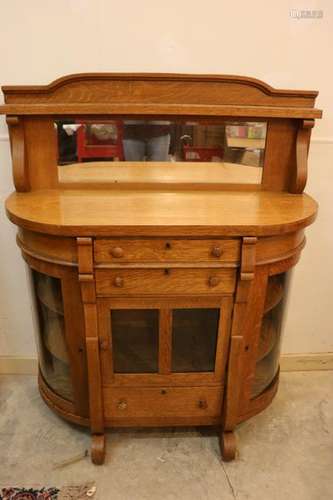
point(98, 444)
point(228, 445)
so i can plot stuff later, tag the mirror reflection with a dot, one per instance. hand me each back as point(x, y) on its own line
point(127, 142)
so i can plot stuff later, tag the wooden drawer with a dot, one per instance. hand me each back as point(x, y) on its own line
point(136, 402)
point(162, 250)
point(164, 281)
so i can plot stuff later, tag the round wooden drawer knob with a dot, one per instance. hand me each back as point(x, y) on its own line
point(213, 281)
point(118, 281)
point(117, 252)
point(122, 404)
point(202, 403)
point(217, 251)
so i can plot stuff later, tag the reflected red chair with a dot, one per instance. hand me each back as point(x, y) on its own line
point(89, 146)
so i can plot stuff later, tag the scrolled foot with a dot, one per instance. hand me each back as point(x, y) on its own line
point(228, 446)
point(98, 444)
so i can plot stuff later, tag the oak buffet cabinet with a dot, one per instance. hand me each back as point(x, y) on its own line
point(160, 216)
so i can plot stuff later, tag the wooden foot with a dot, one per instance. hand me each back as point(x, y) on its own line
point(98, 448)
point(228, 445)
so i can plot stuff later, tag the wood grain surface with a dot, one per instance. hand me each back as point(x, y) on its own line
point(223, 213)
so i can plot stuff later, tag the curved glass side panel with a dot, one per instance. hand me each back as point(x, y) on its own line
point(51, 343)
point(270, 335)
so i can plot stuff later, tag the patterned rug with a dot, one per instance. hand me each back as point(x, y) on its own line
point(30, 494)
point(77, 492)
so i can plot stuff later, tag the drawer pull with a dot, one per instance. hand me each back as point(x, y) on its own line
point(117, 252)
point(213, 281)
point(122, 404)
point(118, 282)
point(168, 246)
point(202, 403)
point(217, 251)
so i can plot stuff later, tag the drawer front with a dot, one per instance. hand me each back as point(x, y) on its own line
point(163, 250)
point(162, 402)
point(164, 281)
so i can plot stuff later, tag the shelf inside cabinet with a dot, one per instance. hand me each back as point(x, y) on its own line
point(274, 293)
point(55, 340)
point(265, 372)
point(49, 293)
point(268, 338)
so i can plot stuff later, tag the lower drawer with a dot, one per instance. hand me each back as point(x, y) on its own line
point(164, 281)
point(157, 402)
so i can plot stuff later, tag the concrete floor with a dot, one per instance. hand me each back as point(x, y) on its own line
point(284, 453)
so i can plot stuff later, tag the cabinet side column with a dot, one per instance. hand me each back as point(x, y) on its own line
point(232, 393)
point(88, 294)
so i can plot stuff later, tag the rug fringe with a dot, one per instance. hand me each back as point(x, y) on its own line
point(78, 492)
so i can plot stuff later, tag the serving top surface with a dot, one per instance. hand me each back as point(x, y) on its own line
point(160, 212)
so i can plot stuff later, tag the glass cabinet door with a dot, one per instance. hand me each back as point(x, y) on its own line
point(194, 338)
point(51, 342)
point(161, 339)
point(135, 340)
point(270, 334)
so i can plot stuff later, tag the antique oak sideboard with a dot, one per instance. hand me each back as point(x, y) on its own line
point(159, 216)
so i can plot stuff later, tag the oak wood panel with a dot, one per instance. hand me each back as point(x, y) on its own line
point(18, 151)
point(94, 372)
point(88, 294)
point(55, 249)
point(233, 386)
point(159, 379)
point(300, 173)
point(41, 149)
point(162, 421)
point(85, 255)
point(157, 87)
point(122, 282)
point(284, 265)
point(280, 157)
point(274, 248)
point(161, 110)
point(75, 336)
point(139, 402)
point(166, 250)
point(160, 213)
point(59, 406)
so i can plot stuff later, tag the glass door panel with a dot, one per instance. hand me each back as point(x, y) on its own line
point(135, 335)
point(52, 347)
point(194, 339)
point(270, 335)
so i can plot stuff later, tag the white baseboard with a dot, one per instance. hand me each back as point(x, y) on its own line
point(288, 363)
point(18, 365)
point(306, 362)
